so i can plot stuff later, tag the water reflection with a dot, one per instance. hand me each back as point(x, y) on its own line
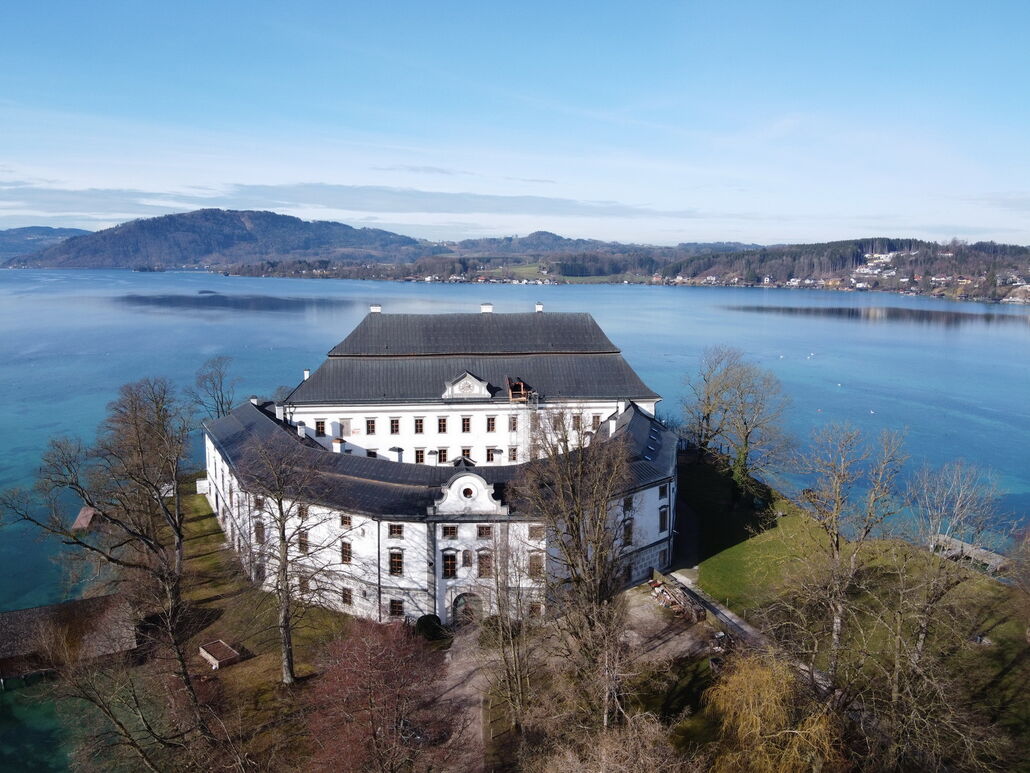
point(888, 314)
point(208, 300)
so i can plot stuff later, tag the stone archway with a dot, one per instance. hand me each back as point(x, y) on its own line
point(468, 608)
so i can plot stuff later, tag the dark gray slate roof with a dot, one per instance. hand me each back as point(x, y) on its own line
point(381, 487)
point(394, 335)
point(345, 380)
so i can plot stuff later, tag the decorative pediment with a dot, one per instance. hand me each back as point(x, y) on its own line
point(466, 387)
point(465, 493)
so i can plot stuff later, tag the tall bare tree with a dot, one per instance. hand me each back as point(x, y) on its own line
point(214, 388)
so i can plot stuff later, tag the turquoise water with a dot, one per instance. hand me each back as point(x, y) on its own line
point(956, 376)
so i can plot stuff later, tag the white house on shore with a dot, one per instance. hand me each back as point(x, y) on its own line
point(413, 427)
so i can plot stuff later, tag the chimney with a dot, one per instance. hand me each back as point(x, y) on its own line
point(375, 308)
point(253, 399)
point(337, 445)
point(301, 427)
point(539, 306)
point(486, 308)
point(307, 374)
point(279, 411)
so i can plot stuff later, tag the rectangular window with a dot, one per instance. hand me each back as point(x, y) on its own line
point(420, 425)
point(259, 533)
point(396, 608)
point(486, 564)
point(441, 424)
point(441, 455)
point(372, 454)
point(302, 511)
point(450, 532)
point(536, 532)
point(595, 422)
point(663, 518)
point(396, 563)
point(513, 454)
point(536, 565)
point(370, 426)
point(491, 423)
point(513, 423)
point(536, 609)
point(395, 426)
point(466, 452)
point(319, 427)
point(557, 422)
point(346, 596)
point(663, 491)
point(627, 504)
point(305, 585)
point(450, 565)
point(490, 453)
point(302, 540)
point(420, 456)
point(395, 530)
point(345, 552)
point(259, 503)
point(627, 532)
point(484, 532)
point(466, 423)
point(345, 521)
point(577, 422)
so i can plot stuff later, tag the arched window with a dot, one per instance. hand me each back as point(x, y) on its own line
point(466, 558)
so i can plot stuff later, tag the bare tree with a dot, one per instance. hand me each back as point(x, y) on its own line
point(214, 390)
point(1020, 573)
point(738, 406)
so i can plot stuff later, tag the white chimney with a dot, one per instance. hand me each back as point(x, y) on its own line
point(337, 445)
point(376, 308)
point(539, 306)
point(301, 429)
point(279, 411)
point(486, 308)
point(253, 399)
point(307, 374)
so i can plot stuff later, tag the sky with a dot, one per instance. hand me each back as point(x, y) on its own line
point(654, 122)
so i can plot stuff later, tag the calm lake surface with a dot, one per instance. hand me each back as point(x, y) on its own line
point(955, 376)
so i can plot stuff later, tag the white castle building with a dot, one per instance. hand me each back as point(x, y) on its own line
point(413, 426)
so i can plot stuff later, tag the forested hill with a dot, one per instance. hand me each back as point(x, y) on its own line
point(24, 241)
point(216, 237)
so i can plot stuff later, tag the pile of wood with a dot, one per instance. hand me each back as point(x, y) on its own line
point(671, 596)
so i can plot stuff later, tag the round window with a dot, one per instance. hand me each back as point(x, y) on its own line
point(468, 493)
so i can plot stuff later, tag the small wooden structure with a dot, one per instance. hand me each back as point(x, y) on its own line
point(219, 654)
point(671, 596)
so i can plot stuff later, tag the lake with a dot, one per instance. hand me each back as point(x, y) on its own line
point(955, 376)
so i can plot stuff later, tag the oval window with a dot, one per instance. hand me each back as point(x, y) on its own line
point(468, 493)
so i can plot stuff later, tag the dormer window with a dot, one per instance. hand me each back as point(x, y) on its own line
point(518, 390)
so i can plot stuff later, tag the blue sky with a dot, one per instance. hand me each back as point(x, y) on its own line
point(653, 122)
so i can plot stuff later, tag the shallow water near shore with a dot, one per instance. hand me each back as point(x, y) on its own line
point(954, 376)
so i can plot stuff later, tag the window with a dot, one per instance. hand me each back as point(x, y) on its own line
point(372, 454)
point(395, 530)
point(345, 521)
point(513, 423)
point(577, 422)
point(450, 532)
point(319, 427)
point(259, 533)
point(420, 425)
point(536, 565)
point(450, 564)
point(663, 518)
point(466, 558)
point(305, 585)
point(395, 426)
point(302, 511)
point(627, 532)
point(484, 532)
point(466, 423)
point(536, 532)
point(466, 452)
point(346, 596)
point(627, 504)
point(441, 455)
point(486, 563)
point(491, 423)
point(259, 503)
point(595, 422)
point(490, 453)
point(557, 421)
point(536, 609)
point(513, 454)
point(420, 456)
point(441, 424)
point(663, 491)
point(370, 426)
point(302, 540)
point(396, 562)
point(396, 608)
point(345, 552)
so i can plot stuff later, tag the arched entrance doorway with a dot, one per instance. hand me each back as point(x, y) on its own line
point(468, 607)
